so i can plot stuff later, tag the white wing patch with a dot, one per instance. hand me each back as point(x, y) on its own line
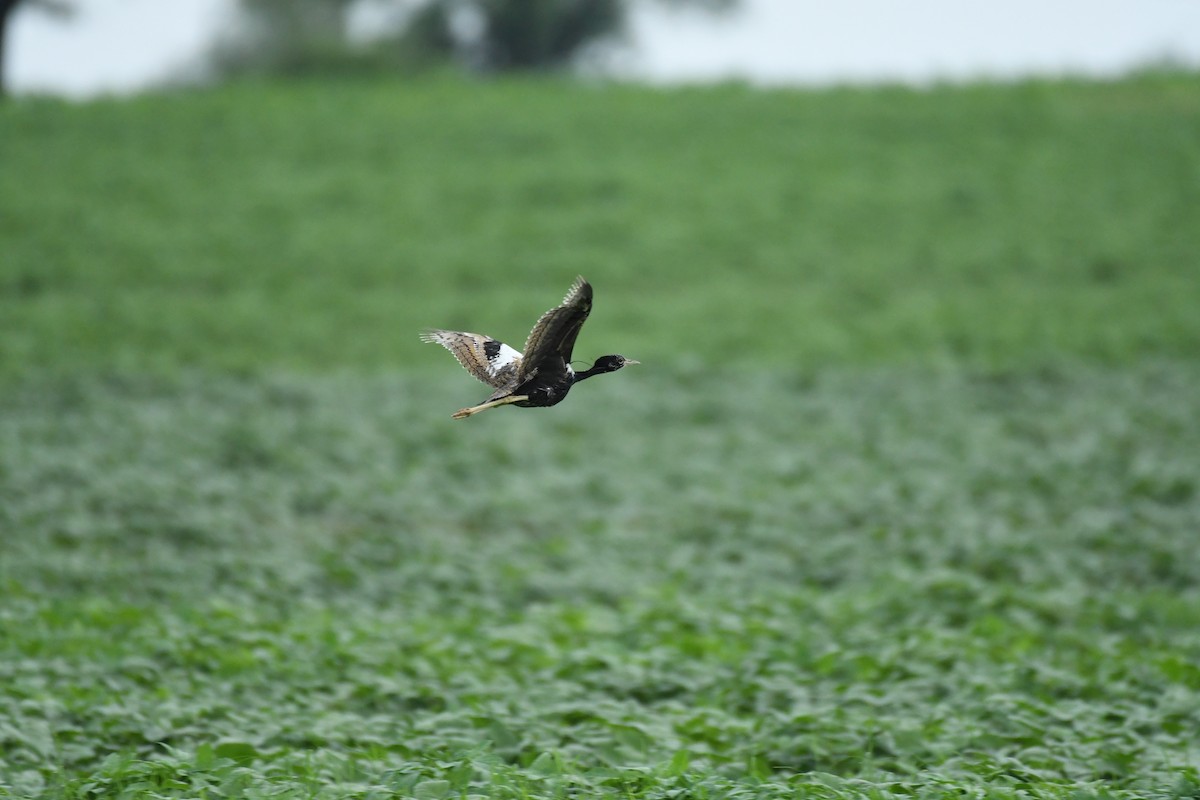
point(489, 360)
point(506, 357)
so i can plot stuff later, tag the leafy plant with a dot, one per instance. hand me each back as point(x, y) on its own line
point(901, 501)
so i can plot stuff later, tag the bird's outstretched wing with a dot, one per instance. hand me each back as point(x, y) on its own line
point(488, 359)
point(555, 333)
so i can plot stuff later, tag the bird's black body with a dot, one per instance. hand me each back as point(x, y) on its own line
point(545, 391)
point(541, 376)
point(553, 389)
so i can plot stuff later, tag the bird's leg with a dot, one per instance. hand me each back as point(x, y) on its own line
point(463, 413)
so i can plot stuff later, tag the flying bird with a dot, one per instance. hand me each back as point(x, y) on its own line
point(540, 376)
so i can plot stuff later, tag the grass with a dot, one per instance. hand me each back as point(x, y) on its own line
point(315, 226)
point(886, 580)
point(931, 536)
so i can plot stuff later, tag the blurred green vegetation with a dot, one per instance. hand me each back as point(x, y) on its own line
point(879, 584)
point(319, 225)
point(901, 503)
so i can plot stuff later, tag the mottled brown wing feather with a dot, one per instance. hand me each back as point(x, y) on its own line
point(556, 331)
point(489, 360)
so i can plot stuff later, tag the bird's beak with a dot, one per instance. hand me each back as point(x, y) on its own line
point(629, 361)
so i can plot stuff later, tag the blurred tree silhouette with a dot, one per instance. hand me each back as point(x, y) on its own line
point(59, 8)
point(285, 36)
point(513, 34)
point(300, 36)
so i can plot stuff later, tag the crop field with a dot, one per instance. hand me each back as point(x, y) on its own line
point(903, 500)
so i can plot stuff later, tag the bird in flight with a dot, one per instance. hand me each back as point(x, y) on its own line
point(542, 375)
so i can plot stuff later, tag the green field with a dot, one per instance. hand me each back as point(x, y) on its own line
point(903, 501)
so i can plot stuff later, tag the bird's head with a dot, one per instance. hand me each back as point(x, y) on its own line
point(611, 363)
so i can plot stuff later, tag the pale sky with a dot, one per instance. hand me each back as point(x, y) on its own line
point(124, 45)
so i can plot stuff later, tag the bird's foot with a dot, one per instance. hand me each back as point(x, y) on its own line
point(463, 413)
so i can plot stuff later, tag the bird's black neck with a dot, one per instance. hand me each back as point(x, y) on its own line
point(602, 365)
point(587, 373)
